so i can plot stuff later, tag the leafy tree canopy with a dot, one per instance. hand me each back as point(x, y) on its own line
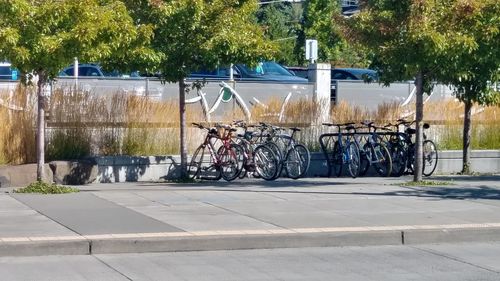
point(42, 37)
point(193, 34)
point(474, 63)
point(404, 37)
point(319, 24)
point(281, 24)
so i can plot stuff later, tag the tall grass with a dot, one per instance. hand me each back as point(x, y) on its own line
point(81, 124)
point(17, 134)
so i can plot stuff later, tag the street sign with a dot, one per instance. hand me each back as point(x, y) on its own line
point(312, 50)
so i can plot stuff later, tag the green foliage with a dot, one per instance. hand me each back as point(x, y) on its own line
point(42, 37)
point(281, 24)
point(473, 61)
point(46, 188)
point(194, 34)
point(486, 136)
point(319, 24)
point(426, 183)
point(68, 144)
point(403, 36)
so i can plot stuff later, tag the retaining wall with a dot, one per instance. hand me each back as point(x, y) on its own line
point(124, 168)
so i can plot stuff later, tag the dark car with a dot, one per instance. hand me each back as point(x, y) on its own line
point(340, 73)
point(299, 71)
point(94, 70)
point(84, 70)
point(359, 74)
point(7, 72)
point(354, 74)
point(263, 71)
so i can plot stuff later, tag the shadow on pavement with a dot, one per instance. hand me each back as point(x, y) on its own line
point(467, 178)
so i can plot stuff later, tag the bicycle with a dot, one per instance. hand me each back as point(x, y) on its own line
point(429, 148)
point(345, 151)
point(375, 153)
point(258, 159)
point(398, 149)
point(223, 163)
point(297, 157)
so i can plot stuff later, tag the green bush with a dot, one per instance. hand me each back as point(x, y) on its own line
point(68, 144)
point(45, 188)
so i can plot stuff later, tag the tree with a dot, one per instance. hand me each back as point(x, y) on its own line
point(406, 44)
point(200, 34)
point(41, 37)
point(318, 23)
point(281, 22)
point(475, 62)
point(322, 20)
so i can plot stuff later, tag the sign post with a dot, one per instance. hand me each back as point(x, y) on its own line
point(312, 50)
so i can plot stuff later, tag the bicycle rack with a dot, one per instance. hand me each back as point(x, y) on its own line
point(327, 141)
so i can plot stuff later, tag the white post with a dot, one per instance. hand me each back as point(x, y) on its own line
point(320, 75)
point(75, 73)
point(231, 73)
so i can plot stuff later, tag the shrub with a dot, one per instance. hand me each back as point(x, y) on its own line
point(45, 188)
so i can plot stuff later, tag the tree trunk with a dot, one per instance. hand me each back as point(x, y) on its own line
point(466, 137)
point(182, 125)
point(40, 136)
point(419, 108)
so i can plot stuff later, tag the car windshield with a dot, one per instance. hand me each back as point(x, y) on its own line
point(361, 74)
point(4, 70)
point(265, 68)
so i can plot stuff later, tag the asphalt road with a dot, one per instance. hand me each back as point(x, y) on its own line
point(478, 261)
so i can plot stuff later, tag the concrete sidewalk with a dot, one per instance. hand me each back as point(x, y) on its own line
point(159, 217)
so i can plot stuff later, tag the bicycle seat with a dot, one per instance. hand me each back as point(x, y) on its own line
point(410, 131)
point(295, 129)
point(426, 126)
point(366, 123)
point(347, 124)
point(327, 124)
point(350, 127)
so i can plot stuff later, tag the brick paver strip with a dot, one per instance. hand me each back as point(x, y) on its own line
point(272, 232)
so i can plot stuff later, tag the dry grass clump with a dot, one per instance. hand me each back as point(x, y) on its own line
point(17, 134)
point(80, 123)
point(344, 112)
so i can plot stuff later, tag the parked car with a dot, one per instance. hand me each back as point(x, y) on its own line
point(84, 70)
point(340, 73)
point(354, 74)
point(299, 71)
point(7, 72)
point(263, 71)
point(94, 70)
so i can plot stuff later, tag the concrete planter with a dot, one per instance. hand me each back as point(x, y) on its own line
point(153, 168)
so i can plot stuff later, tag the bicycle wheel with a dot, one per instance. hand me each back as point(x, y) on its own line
point(398, 157)
point(297, 161)
point(337, 159)
point(354, 161)
point(230, 163)
point(365, 156)
point(304, 157)
point(194, 166)
point(410, 158)
point(383, 163)
point(430, 157)
point(277, 151)
point(265, 161)
point(246, 163)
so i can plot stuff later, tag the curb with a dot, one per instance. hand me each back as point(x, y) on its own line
point(244, 242)
point(44, 248)
point(236, 240)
